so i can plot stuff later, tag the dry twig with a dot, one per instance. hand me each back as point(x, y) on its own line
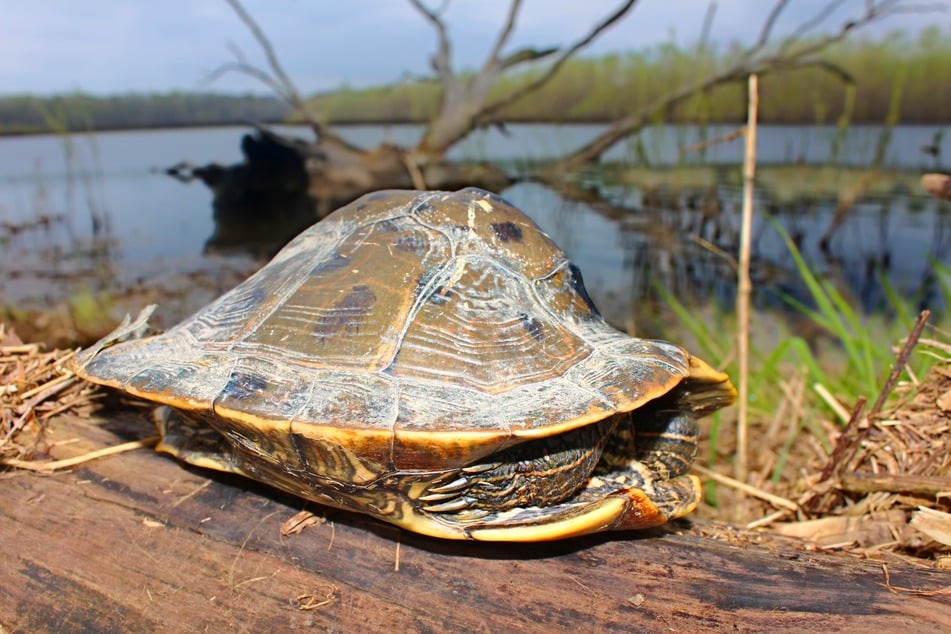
point(55, 465)
point(775, 500)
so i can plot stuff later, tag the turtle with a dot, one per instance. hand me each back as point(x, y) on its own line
point(431, 359)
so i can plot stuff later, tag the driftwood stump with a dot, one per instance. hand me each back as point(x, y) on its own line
point(137, 542)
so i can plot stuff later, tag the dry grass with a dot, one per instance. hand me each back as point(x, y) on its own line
point(34, 387)
point(879, 485)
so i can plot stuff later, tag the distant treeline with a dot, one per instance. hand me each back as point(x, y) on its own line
point(84, 112)
point(896, 79)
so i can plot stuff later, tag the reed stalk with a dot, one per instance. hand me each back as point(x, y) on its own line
point(744, 286)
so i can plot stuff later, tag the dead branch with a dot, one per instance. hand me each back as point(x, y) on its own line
point(900, 362)
point(505, 33)
point(277, 79)
point(464, 105)
point(493, 108)
point(794, 51)
point(442, 59)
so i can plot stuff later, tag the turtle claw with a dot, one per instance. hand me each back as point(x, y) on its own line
point(456, 485)
point(454, 505)
point(480, 468)
point(438, 497)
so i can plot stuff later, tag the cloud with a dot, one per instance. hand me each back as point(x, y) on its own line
point(110, 46)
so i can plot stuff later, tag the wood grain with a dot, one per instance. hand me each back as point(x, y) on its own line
point(137, 542)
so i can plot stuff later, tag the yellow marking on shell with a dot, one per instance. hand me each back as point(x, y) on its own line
point(458, 269)
point(470, 213)
point(485, 204)
point(597, 517)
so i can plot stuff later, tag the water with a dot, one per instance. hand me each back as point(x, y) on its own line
point(115, 216)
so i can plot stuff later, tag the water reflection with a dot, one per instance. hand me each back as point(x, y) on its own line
point(684, 242)
point(107, 219)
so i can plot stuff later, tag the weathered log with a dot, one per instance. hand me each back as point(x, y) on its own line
point(284, 185)
point(139, 543)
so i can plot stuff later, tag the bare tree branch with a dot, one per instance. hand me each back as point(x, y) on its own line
point(281, 77)
point(526, 55)
point(277, 80)
point(251, 71)
point(441, 61)
point(707, 26)
point(504, 34)
point(816, 20)
point(464, 102)
point(793, 53)
point(768, 24)
point(491, 109)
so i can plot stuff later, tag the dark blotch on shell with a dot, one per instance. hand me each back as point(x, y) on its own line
point(348, 313)
point(532, 326)
point(329, 265)
point(422, 282)
point(507, 231)
point(389, 226)
point(358, 300)
point(242, 385)
point(412, 244)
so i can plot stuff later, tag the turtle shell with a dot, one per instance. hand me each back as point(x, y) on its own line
point(412, 330)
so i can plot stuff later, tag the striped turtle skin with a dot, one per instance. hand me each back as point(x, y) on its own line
point(431, 359)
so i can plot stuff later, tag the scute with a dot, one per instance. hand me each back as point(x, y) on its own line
point(486, 331)
point(418, 316)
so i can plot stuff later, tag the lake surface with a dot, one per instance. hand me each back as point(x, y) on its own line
point(97, 209)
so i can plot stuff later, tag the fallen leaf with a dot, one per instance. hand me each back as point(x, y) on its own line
point(864, 530)
point(299, 522)
point(944, 401)
point(933, 523)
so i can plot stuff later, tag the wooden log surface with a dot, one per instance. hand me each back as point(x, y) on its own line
point(137, 542)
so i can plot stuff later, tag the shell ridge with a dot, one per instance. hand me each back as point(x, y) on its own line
point(306, 405)
point(432, 227)
point(214, 401)
point(435, 281)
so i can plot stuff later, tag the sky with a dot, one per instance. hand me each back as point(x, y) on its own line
point(122, 46)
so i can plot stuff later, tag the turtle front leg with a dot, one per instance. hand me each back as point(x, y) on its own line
point(536, 473)
point(666, 439)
